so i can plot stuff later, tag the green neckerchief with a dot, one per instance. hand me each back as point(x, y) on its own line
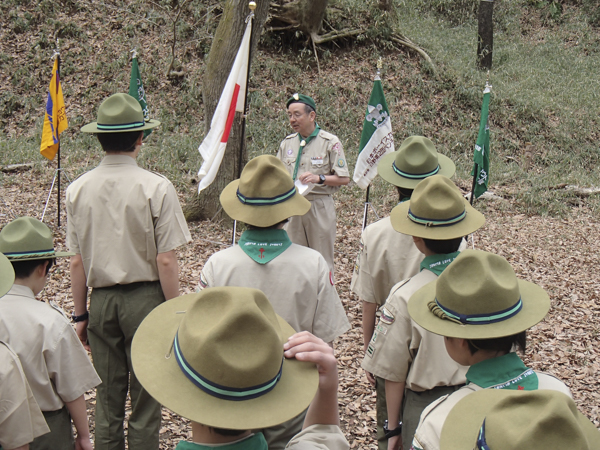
point(304, 143)
point(437, 263)
point(504, 372)
point(256, 442)
point(264, 245)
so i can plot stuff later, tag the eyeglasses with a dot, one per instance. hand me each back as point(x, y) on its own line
point(296, 115)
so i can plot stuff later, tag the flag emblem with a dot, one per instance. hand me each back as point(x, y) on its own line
point(377, 115)
point(55, 117)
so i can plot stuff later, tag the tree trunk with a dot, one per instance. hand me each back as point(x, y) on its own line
point(220, 59)
point(485, 35)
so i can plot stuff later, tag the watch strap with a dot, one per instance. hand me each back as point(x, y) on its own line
point(81, 318)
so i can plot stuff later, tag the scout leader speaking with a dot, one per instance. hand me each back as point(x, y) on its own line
point(312, 155)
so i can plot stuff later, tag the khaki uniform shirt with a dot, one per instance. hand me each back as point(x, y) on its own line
point(319, 437)
point(427, 436)
point(323, 155)
point(119, 217)
point(386, 257)
point(400, 350)
point(56, 365)
point(297, 283)
point(21, 420)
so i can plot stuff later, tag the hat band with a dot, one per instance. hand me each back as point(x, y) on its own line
point(120, 126)
point(481, 441)
point(265, 201)
point(474, 319)
point(223, 392)
point(414, 176)
point(24, 255)
point(436, 222)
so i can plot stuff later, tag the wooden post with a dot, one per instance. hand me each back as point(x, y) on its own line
point(485, 35)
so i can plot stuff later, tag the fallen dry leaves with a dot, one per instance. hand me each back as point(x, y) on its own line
point(560, 254)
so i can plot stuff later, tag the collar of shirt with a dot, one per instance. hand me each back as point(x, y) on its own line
point(437, 263)
point(264, 245)
point(504, 372)
point(21, 291)
point(253, 442)
point(118, 159)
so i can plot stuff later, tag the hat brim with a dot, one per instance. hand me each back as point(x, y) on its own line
point(401, 223)
point(536, 304)
point(464, 421)
point(93, 128)
point(261, 216)
point(7, 275)
point(386, 171)
point(34, 257)
point(161, 376)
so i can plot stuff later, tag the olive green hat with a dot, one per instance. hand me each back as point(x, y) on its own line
point(7, 275)
point(300, 98)
point(436, 210)
point(264, 195)
point(501, 419)
point(478, 296)
point(26, 239)
point(416, 160)
point(216, 358)
point(119, 113)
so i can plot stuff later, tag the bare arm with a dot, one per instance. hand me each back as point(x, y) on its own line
point(330, 180)
point(369, 311)
point(79, 291)
point(168, 273)
point(304, 346)
point(394, 393)
point(78, 412)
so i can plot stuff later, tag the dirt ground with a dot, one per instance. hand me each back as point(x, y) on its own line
point(560, 254)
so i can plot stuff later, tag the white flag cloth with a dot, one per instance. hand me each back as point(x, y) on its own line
point(232, 100)
point(376, 139)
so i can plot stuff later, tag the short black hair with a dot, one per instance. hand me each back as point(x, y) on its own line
point(24, 269)
point(227, 431)
point(119, 142)
point(502, 344)
point(443, 247)
point(403, 193)
point(272, 227)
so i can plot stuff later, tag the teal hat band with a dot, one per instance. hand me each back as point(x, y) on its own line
point(480, 319)
point(265, 201)
point(121, 126)
point(223, 392)
point(436, 222)
point(414, 176)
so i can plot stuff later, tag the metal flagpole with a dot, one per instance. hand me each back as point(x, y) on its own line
point(364, 223)
point(252, 6)
point(473, 185)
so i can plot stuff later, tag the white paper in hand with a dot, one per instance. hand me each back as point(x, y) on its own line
point(304, 189)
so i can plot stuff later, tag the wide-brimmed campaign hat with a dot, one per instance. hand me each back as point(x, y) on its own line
point(120, 113)
point(478, 296)
point(264, 195)
point(436, 210)
point(216, 358)
point(7, 275)
point(416, 160)
point(301, 98)
point(501, 419)
point(26, 239)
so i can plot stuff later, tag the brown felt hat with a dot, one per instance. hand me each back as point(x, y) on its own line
point(436, 210)
point(478, 296)
point(7, 275)
point(26, 239)
point(502, 419)
point(216, 358)
point(416, 160)
point(119, 113)
point(264, 195)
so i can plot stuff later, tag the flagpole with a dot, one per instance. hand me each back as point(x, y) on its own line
point(252, 6)
point(473, 185)
point(58, 137)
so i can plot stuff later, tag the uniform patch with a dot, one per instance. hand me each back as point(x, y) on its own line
point(386, 316)
point(381, 329)
point(337, 147)
point(203, 282)
point(341, 162)
point(370, 351)
point(290, 152)
point(316, 160)
point(331, 278)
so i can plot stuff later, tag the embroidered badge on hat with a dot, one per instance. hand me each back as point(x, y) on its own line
point(386, 316)
point(296, 96)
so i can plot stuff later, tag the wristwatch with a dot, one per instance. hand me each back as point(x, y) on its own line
point(391, 433)
point(321, 179)
point(80, 318)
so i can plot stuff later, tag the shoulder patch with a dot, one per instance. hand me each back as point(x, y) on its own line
point(203, 283)
point(337, 148)
point(341, 162)
point(386, 316)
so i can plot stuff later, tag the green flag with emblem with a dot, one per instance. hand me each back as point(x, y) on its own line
point(481, 156)
point(136, 90)
point(376, 139)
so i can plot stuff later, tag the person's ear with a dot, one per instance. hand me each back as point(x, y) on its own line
point(313, 116)
point(41, 269)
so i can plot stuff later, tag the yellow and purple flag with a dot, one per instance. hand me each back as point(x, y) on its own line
point(55, 118)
